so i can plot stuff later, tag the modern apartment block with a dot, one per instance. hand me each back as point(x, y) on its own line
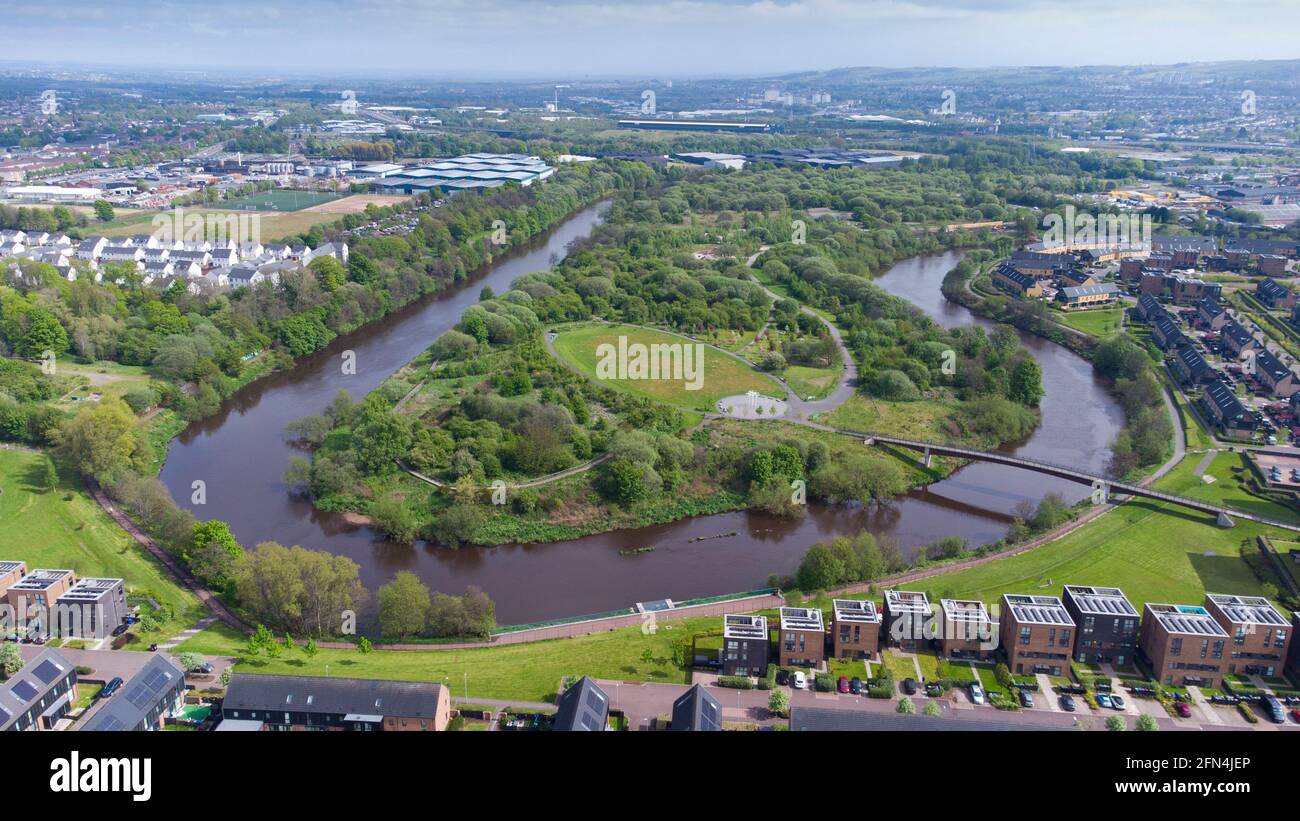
point(906, 614)
point(802, 640)
point(746, 649)
point(1183, 644)
point(33, 596)
point(1106, 623)
point(1037, 634)
point(855, 629)
point(1260, 635)
point(92, 607)
point(966, 631)
point(10, 574)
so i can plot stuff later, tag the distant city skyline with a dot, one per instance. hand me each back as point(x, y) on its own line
point(630, 38)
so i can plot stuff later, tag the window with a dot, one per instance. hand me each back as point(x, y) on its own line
point(1025, 633)
point(1175, 647)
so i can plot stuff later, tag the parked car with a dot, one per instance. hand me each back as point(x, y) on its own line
point(855, 686)
point(798, 680)
point(202, 668)
point(1295, 716)
point(1103, 700)
point(976, 694)
point(1274, 709)
point(1026, 698)
point(1067, 703)
point(783, 677)
point(112, 687)
point(121, 628)
point(909, 686)
point(1117, 702)
point(933, 690)
point(1183, 709)
point(843, 684)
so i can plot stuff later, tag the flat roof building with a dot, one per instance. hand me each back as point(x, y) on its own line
point(855, 629)
point(94, 607)
point(906, 615)
point(1106, 622)
point(746, 649)
point(1037, 633)
point(802, 638)
point(1261, 636)
point(1183, 644)
point(965, 630)
point(10, 573)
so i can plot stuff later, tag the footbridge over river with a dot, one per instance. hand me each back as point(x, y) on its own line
point(1103, 486)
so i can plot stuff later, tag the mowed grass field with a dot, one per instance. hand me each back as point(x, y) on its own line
point(1100, 324)
point(277, 200)
point(723, 375)
point(63, 528)
point(1155, 552)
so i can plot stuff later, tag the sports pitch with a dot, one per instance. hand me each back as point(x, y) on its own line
point(276, 200)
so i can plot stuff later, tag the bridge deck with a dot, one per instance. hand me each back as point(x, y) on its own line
point(1070, 473)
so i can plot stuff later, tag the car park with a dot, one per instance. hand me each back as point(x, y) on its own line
point(1067, 703)
point(976, 694)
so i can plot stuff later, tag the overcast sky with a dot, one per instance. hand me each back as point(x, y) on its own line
point(642, 38)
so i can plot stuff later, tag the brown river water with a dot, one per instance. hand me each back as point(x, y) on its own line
point(241, 454)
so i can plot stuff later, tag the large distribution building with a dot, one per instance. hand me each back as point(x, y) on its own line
point(460, 173)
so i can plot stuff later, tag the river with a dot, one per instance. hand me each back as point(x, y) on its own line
point(240, 453)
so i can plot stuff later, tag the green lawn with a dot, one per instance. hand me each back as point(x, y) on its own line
point(814, 383)
point(65, 529)
point(1100, 323)
point(723, 375)
point(1154, 552)
point(906, 420)
point(276, 199)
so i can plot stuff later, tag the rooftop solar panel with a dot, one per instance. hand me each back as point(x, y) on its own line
point(48, 672)
point(25, 690)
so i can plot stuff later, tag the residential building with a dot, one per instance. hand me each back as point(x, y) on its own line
point(11, 572)
point(583, 707)
point(1225, 409)
point(1008, 279)
point(1037, 633)
point(1106, 624)
point(1273, 265)
point(95, 607)
point(830, 719)
point(1166, 334)
point(1270, 373)
point(1211, 313)
point(907, 614)
point(1261, 637)
point(33, 596)
point(1274, 294)
point(1087, 296)
point(1042, 265)
point(1191, 367)
point(326, 703)
point(38, 695)
point(1149, 308)
point(1183, 644)
point(1236, 340)
point(966, 631)
point(697, 710)
point(746, 648)
point(855, 629)
point(801, 641)
point(151, 696)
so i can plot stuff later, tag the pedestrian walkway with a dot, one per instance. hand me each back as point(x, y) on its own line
point(1198, 698)
point(186, 635)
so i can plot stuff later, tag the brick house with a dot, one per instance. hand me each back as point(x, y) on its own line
point(1037, 634)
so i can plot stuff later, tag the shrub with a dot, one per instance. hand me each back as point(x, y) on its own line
point(1116, 724)
point(1146, 724)
point(823, 683)
point(779, 702)
point(906, 706)
point(932, 709)
point(736, 682)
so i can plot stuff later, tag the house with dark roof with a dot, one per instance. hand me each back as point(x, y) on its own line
point(1269, 372)
point(1148, 308)
point(584, 707)
point(326, 703)
point(40, 694)
point(1087, 296)
point(1235, 339)
point(152, 695)
point(1274, 294)
point(1183, 644)
point(1007, 278)
point(1042, 265)
point(1107, 624)
point(830, 720)
point(1191, 368)
point(1211, 313)
point(1166, 333)
point(697, 710)
point(1225, 409)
